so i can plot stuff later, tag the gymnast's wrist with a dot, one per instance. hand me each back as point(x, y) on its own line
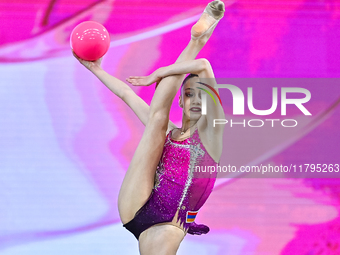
point(98, 71)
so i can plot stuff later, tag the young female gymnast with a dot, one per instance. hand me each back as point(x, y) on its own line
point(161, 193)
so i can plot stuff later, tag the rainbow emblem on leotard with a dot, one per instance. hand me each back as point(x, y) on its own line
point(191, 216)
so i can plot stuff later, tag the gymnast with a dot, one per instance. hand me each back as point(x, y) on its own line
point(161, 193)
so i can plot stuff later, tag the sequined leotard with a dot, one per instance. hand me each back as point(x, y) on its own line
point(177, 187)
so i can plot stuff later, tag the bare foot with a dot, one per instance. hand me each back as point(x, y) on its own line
point(208, 20)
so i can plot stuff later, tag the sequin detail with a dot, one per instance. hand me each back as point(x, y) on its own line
point(177, 186)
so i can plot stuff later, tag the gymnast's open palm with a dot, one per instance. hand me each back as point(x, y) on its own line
point(144, 80)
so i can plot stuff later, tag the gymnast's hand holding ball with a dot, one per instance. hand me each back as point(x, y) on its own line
point(93, 66)
point(89, 42)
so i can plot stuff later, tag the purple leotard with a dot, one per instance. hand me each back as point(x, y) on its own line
point(178, 186)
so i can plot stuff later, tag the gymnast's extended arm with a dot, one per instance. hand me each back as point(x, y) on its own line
point(203, 69)
point(197, 66)
point(120, 89)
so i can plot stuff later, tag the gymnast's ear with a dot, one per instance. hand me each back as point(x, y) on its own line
point(180, 102)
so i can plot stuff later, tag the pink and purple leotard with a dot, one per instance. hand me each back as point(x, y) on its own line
point(178, 186)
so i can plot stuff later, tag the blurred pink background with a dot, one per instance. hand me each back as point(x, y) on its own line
point(66, 140)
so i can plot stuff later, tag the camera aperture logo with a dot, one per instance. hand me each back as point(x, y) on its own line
point(239, 102)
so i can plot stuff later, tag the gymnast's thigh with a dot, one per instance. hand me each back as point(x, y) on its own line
point(162, 238)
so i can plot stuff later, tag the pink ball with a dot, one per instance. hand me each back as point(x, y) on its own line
point(90, 40)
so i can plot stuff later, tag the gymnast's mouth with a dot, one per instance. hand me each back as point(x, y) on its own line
point(195, 109)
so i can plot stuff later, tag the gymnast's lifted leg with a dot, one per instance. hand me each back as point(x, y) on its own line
point(139, 180)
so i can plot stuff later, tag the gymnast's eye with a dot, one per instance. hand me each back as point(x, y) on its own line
point(189, 94)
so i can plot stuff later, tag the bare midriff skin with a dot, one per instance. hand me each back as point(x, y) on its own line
point(138, 183)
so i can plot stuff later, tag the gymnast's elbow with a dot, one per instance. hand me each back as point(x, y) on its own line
point(204, 66)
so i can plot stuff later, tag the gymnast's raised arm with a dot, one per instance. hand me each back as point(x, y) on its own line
point(203, 69)
point(120, 89)
point(196, 66)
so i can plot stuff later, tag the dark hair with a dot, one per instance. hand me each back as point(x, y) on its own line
point(192, 75)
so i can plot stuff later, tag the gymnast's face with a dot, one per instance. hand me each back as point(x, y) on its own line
point(190, 99)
